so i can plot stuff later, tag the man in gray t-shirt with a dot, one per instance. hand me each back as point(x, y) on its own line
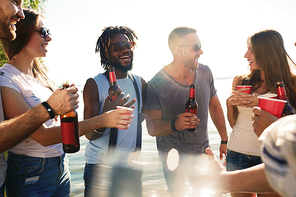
point(167, 94)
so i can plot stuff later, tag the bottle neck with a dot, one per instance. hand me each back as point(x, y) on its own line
point(112, 77)
point(281, 93)
point(192, 93)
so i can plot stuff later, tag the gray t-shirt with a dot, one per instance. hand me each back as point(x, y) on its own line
point(169, 96)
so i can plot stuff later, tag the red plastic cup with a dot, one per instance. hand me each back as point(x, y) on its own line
point(121, 107)
point(273, 106)
point(245, 86)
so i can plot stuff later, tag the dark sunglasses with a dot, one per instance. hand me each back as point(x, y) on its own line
point(44, 32)
point(196, 47)
point(118, 46)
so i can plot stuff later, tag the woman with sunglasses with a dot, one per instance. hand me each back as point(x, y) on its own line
point(38, 166)
point(268, 61)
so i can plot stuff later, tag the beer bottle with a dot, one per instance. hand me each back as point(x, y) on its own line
point(69, 127)
point(281, 94)
point(114, 89)
point(191, 104)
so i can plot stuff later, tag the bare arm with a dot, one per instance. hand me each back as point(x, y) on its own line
point(155, 126)
point(217, 116)
point(250, 180)
point(61, 101)
point(231, 108)
point(15, 105)
point(17, 129)
point(92, 106)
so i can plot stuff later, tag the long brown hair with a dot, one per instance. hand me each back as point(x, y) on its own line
point(25, 29)
point(272, 58)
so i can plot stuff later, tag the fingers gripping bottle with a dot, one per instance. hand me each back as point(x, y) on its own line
point(191, 104)
point(114, 89)
point(70, 133)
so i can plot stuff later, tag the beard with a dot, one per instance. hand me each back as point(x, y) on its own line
point(7, 30)
point(114, 61)
point(123, 68)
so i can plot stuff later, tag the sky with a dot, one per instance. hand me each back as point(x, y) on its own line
point(223, 27)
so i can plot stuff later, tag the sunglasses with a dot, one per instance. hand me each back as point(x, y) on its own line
point(118, 46)
point(196, 47)
point(44, 32)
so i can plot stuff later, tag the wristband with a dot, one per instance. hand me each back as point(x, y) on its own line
point(173, 128)
point(224, 142)
point(48, 108)
point(99, 132)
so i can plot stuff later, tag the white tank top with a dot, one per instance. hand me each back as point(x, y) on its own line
point(242, 138)
point(96, 150)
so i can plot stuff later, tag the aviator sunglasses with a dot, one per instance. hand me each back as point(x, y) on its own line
point(44, 32)
point(118, 46)
point(196, 47)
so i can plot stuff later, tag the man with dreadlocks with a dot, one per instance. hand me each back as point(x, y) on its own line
point(116, 46)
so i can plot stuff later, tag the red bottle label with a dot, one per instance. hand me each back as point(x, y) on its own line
point(193, 111)
point(68, 133)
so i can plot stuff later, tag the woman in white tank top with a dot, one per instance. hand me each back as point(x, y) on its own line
point(268, 63)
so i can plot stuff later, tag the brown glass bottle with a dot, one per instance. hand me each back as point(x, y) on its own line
point(191, 104)
point(69, 127)
point(281, 94)
point(114, 89)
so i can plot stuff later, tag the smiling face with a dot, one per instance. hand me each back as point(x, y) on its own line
point(190, 57)
point(36, 47)
point(10, 13)
point(122, 60)
point(251, 58)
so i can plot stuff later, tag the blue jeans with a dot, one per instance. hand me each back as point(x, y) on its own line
point(101, 180)
point(239, 161)
point(35, 176)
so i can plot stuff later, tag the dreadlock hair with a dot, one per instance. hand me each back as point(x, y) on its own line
point(104, 41)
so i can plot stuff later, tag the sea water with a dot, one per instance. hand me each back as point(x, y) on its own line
point(152, 180)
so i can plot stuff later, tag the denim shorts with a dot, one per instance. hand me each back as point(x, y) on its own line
point(238, 161)
point(35, 176)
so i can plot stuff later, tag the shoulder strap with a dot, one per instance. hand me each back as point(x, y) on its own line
point(139, 125)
